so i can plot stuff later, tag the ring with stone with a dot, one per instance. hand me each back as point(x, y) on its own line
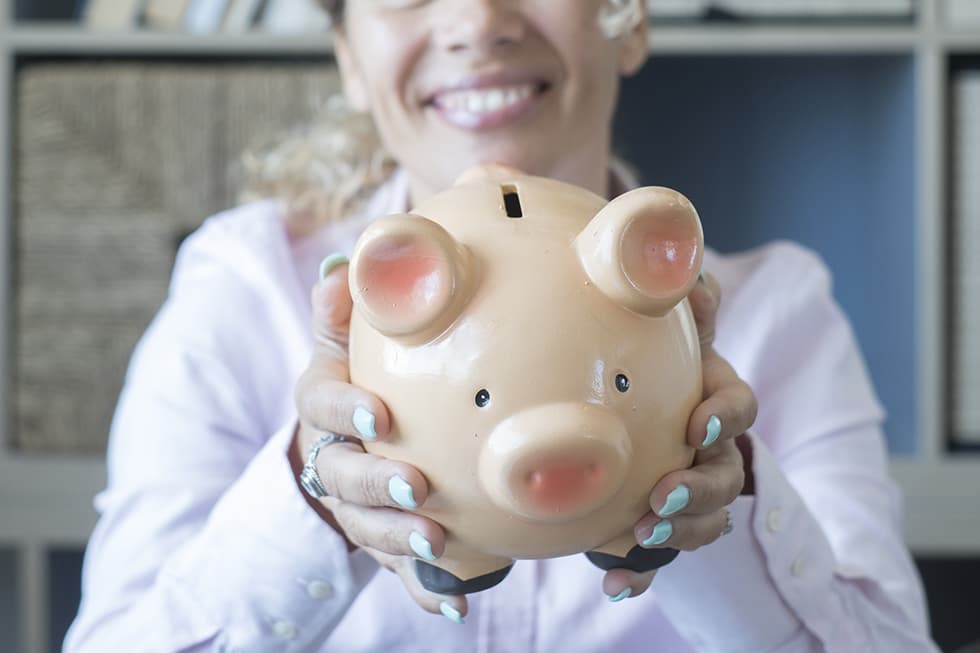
point(309, 477)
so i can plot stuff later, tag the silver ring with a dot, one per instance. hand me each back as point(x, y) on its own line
point(309, 478)
point(729, 524)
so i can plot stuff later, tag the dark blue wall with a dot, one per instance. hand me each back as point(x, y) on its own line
point(816, 149)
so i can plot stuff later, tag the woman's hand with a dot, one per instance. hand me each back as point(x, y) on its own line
point(370, 497)
point(688, 506)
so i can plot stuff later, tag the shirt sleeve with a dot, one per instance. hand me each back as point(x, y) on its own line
point(204, 540)
point(816, 560)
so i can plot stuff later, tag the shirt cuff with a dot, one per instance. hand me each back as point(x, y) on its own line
point(266, 567)
point(758, 587)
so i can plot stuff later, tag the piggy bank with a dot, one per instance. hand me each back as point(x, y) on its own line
point(539, 360)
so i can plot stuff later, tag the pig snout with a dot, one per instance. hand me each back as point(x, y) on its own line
point(555, 462)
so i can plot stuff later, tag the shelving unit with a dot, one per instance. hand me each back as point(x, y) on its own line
point(876, 101)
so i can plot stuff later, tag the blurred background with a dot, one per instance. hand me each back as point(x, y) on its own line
point(851, 126)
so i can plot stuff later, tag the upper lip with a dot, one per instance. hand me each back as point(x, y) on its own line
point(487, 80)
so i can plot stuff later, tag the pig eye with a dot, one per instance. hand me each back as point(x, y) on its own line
point(622, 382)
point(482, 398)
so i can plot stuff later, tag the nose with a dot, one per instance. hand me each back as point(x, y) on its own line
point(481, 26)
point(555, 462)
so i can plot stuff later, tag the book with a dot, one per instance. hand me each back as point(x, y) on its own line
point(113, 14)
point(291, 16)
point(165, 14)
point(204, 16)
point(242, 15)
point(962, 14)
point(964, 240)
point(676, 8)
point(809, 9)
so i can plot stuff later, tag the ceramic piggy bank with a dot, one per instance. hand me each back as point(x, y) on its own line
point(539, 359)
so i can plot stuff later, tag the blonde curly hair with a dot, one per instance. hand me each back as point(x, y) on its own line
point(324, 169)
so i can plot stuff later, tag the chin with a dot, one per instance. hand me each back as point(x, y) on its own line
point(521, 161)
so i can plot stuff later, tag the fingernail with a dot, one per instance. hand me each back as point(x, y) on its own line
point(330, 263)
point(701, 278)
point(622, 595)
point(713, 431)
point(676, 500)
point(661, 533)
point(421, 546)
point(364, 423)
point(401, 492)
point(451, 613)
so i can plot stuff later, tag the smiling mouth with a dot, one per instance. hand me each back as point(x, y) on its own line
point(487, 107)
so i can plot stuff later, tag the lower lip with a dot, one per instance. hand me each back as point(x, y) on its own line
point(489, 119)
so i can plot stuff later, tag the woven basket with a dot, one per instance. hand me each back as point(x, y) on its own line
point(115, 162)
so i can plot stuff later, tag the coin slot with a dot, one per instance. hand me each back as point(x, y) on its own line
point(512, 202)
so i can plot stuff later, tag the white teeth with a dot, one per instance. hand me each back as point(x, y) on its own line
point(494, 100)
point(485, 100)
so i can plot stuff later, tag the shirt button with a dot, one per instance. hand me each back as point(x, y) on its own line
point(319, 589)
point(774, 520)
point(284, 630)
point(798, 567)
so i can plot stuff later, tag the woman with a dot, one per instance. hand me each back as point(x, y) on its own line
point(207, 542)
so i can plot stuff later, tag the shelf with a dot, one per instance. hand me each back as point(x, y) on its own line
point(36, 38)
point(53, 498)
point(70, 516)
point(940, 506)
point(777, 39)
point(962, 41)
point(68, 40)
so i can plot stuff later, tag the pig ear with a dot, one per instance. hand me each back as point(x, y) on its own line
point(643, 250)
point(408, 276)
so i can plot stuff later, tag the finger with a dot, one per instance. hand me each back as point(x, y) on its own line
point(729, 407)
point(326, 403)
point(332, 304)
point(389, 530)
point(713, 482)
point(324, 398)
point(684, 532)
point(349, 474)
point(705, 298)
point(452, 607)
point(619, 584)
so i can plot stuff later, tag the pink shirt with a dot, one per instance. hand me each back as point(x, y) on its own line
point(206, 544)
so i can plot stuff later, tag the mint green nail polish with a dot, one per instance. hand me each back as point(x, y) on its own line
point(661, 533)
point(713, 431)
point(421, 546)
point(364, 423)
point(676, 500)
point(701, 278)
point(401, 492)
point(622, 595)
point(451, 613)
point(330, 262)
